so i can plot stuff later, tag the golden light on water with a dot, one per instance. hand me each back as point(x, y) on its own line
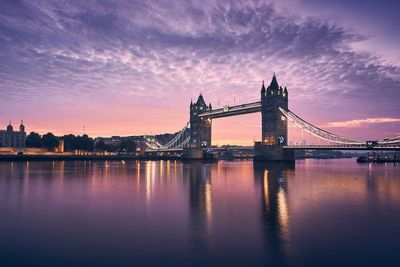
point(283, 212)
point(174, 168)
point(161, 163)
point(266, 190)
point(138, 174)
point(208, 204)
point(168, 168)
point(149, 174)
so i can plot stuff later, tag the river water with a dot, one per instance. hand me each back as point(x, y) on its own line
point(168, 213)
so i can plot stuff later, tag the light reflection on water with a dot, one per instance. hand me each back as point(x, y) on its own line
point(169, 213)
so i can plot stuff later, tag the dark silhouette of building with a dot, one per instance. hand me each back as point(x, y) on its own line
point(11, 138)
point(200, 128)
point(274, 124)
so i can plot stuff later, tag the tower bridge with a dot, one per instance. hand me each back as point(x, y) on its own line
point(193, 141)
point(228, 111)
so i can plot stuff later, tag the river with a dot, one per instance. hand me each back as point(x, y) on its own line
point(331, 212)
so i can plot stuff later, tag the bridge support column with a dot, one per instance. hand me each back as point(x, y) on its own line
point(274, 124)
point(265, 152)
point(200, 130)
point(190, 153)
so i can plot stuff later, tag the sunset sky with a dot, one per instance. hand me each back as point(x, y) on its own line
point(132, 67)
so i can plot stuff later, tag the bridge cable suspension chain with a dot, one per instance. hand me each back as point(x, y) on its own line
point(174, 140)
point(177, 142)
point(389, 141)
point(331, 137)
point(152, 143)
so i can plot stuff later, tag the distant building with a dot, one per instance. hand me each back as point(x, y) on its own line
point(60, 147)
point(117, 140)
point(11, 138)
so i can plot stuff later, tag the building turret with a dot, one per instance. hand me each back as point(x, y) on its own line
point(9, 127)
point(263, 89)
point(285, 92)
point(22, 127)
point(274, 86)
point(280, 90)
point(200, 100)
point(201, 104)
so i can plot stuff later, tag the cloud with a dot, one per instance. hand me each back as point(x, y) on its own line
point(148, 53)
point(361, 122)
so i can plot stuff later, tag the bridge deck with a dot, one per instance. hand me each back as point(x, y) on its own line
point(343, 147)
point(313, 147)
point(164, 150)
point(232, 110)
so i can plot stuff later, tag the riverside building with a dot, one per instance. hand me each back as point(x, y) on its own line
point(11, 138)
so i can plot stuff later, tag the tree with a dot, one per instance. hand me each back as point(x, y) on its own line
point(49, 141)
point(33, 140)
point(100, 146)
point(69, 142)
point(83, 142)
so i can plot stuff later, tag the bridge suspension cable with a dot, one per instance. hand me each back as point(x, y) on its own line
point(152, 143)
point(388, 141)
point(176, 141)
point(325, 135)
point(181, 139)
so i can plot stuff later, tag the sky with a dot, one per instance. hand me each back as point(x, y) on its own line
point(132, 67)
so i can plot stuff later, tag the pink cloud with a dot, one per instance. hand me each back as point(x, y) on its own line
point(361, 122)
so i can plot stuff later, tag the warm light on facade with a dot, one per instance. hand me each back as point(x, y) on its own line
point(270, 140)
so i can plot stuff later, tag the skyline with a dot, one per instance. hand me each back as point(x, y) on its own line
point(131, 68)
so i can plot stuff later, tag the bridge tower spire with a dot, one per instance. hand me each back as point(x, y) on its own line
point(274, 124)
point(200, 128)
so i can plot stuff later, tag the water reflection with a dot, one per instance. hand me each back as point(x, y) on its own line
point(147, 213)
point(200, 191)
point(200, 210)
point(272, 179)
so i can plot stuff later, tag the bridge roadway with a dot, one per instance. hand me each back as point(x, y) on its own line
point(211, 148)
point(313, 147)
point(344, 147)
point(228, 111)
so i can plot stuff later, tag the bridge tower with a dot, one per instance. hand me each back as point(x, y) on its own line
point(274, 124)
point(200, 130)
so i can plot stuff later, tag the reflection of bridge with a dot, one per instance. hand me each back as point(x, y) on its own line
point(276, 117)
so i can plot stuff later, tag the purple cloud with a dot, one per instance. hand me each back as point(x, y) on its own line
point(149, 54)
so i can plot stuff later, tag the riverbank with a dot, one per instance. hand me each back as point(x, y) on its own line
point(80, 157)
point(378, 159)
